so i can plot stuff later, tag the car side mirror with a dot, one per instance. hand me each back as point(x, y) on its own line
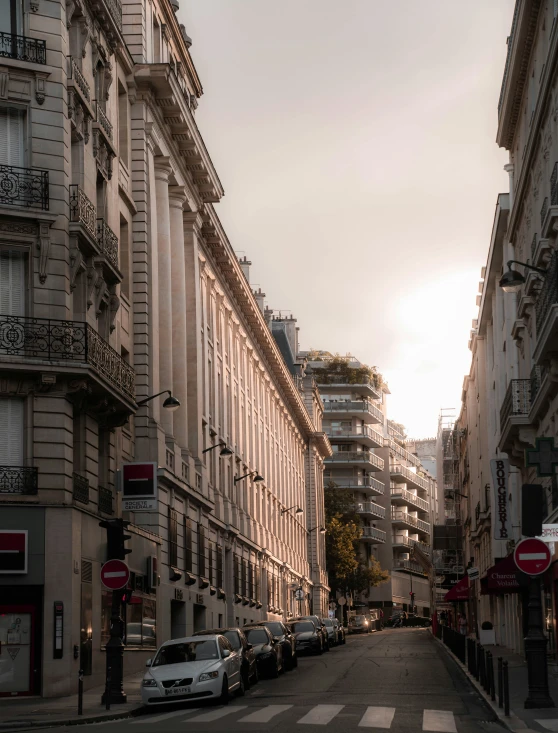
point(226, 653)
point(148, 663)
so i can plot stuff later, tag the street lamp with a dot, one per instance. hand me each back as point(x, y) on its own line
point(322, 529)
point(225, 450)
point(512, 280)
point(298, 510)
point(171, 403)
point(256, 479)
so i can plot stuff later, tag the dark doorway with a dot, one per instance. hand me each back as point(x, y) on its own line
point(199, 618)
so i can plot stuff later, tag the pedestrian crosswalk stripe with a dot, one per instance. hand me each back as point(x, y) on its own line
point(548, 724)
point(265, 714)
point(441, 721)
point(150, 719)
point(321, 714)
point(216, 714)
point(377, 717)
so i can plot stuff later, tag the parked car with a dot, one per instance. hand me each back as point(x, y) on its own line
point(239, 643)
point(282, 635)
point(331, 631)
point(318, 623)
point(359, 624)
point(308, 638)
point(340, 631)
point(192, 668)
point(269, 653)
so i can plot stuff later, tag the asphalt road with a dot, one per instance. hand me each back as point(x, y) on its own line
point(399, 680)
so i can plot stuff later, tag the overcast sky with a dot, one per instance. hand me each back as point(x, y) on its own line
point(355, 143)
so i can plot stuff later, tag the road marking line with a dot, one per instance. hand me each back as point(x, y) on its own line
point(376, 717)
point(321, 715)
point(216, 714)
point(441, 721)
point(157, 718)
point(549, 724)
point(265, 714)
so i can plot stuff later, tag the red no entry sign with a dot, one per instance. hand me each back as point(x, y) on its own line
point(115, 574)
point(532, 556)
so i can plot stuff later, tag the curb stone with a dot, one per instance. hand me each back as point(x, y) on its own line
point(17, 725)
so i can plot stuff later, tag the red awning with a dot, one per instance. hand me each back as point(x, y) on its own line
point(501, 578)
point(459, 592)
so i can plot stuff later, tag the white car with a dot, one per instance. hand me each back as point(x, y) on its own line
point(193, 668)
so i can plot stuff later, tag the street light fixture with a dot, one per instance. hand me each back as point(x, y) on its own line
point(171, 403)
point(225, 450)
point(322, 529)
point(298, 510)
point(512, 280)
point(256, 478)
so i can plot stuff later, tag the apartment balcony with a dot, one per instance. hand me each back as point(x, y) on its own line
point(80, 488)
point(394, 432)
point(400, 541)
point(72, 347)
point(403, 519)
point(369, 509)
point(360, 408)
point(341, 383)
point(364, 484)
point(366, 459)
point(94, 235)
point(371, 534)
point(362, 434)
point(105, 501)
point(408, 566)
point(103, 122)
point(397, 450)
point(17, 480)
point(403, 475)
point(514, 413)
point(22, 48)
point(546, 314)
point(401, 496)
point(108, 242)
point(24, 188)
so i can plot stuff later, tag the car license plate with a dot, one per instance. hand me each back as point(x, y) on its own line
point(178, 691)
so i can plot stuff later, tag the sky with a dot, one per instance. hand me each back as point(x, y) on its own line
point(355, 141)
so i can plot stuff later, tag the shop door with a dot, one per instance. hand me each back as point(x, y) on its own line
point(16, 650)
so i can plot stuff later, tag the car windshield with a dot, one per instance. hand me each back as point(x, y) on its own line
point(191, 651)
point(302, 626)
point(358, 619)
point(328, 622)
point(233, 637)
point(275, 628)
point(257, 636)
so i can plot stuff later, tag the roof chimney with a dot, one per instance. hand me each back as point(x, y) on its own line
point(245, 265)
point(260, 297)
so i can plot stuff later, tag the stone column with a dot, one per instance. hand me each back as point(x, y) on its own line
point(164, 257)
point(177, 197)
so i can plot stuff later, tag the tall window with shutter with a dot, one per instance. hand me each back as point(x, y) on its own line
point(11, 432)
point(11, 17)
point(12, 148)
point(12, 282)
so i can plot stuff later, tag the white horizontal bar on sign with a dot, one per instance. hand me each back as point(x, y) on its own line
point(533, 555)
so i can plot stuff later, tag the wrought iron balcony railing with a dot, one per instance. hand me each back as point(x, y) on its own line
point(105, 501)
point(80, 488)
point(538, 373)
point(79, 79)
point(75, 341)
point(107, 241)
point(22, 48)
point(103, 120)
point(115, 9)
point(18, 480)
point(24, 187)
point(517, 401)
point(544, 209)
point(548, 294)
point(82, 210)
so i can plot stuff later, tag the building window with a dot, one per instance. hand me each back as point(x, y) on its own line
point(236, 562)
point(12, 149)
point(173, 537)
point(11, 16)
point(11, 432)
point(125, 258)
point(201, 551)
point(12, 282)
point(123, 127)
point(188, 564)
point(219, 566)
point(140, 618)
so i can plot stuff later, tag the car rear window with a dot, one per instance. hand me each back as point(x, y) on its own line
point(233, 637)
point(275, 628)
point(256, 636)
point(328, 622)
point(192, 651)
point(302, 626)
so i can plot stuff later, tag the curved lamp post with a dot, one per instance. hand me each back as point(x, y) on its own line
point(171, 403)
point(256, 479)
point(295, 506)
point(512, 280)
point(225, 450)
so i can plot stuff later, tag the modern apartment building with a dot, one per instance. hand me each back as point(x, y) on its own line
point(118, 285)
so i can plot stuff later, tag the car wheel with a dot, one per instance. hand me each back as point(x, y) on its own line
point(241, 691)
point(224, 696)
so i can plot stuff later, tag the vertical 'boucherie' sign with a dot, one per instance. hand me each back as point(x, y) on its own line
point(501, 520)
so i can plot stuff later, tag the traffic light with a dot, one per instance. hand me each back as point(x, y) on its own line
point(126, 595)
point(116, 539)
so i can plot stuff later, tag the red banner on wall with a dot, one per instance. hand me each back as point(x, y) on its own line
point(460, 591)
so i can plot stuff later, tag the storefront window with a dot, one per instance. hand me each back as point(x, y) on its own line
point(140, 627)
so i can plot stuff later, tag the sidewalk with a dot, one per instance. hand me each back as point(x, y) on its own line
point(20, 713)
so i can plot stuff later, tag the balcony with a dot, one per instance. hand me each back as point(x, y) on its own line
point(408, 566)
point(369, 509)
point(394, 432)
point(400, 495)
point(403, 519)
point(362, 434)
point(371, 534)
point(103, 121)
point(402, 474)
point(105, 501)
point(18, 480)
point(546, 314)
point(514, 413)
point(108, 242)
point(22, 48)
point(25, 188)
point(69, 343)
point(401, 452)
point(401, 541)
point(340, 382)
point(79, 81)
point(365, 484)
point(361, 408)
point(80, 488)
point(364, 458)
point(82, 210)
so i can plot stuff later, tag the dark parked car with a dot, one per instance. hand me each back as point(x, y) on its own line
point(308, 637)
point(285, 637)
point(319, 624)
point(239, 642)
point(269, 653)
point(340, 630)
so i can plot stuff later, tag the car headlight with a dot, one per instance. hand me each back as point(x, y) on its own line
point(208, 676)
point(149, 683)
point(366, 623)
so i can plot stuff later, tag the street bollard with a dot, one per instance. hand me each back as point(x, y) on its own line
point(506, 691)
point(80, 692)
point(491, 686)
point(478, 661)
point(500, 683)
point(107, 689)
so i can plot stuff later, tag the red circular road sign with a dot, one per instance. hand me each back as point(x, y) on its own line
point(115, 574)
point(532, 556)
